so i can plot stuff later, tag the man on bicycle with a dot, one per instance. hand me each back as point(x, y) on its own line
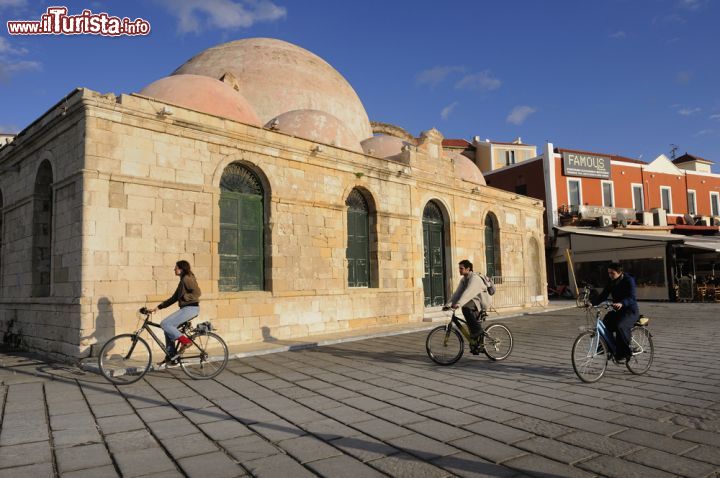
point(620, 321)
point(472, 296)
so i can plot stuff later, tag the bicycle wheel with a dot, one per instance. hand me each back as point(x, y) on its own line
point(444, 346)
point(589, 357)
point(497, 342)
point(642, 345)
point(125, 359)
point(206, 358)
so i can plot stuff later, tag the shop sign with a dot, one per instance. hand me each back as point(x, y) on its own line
point(597, 211)
point(586, 165)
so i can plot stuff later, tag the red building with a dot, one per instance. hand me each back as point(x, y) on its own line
point(660, 218)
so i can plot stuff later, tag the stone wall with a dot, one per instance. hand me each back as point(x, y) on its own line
point(50, 323)
point(150, 193)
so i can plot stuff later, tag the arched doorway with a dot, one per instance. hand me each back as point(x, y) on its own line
point(434, 253)
point(358, 240)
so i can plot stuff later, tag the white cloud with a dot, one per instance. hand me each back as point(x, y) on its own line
point(6, 48)
point(8, 69)
point(197, 15)
point(445, 113)
point(691, 4)
point(683, 77)
point(482, 81)
point(519, 114)
point(671, 19)
point(436, 75)
point(688, 111)
point(618, 35)
point(12, 3)
point(715, 116)
point(703, 132)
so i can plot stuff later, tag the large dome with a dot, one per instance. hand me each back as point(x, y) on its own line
point(277, 77)
point(203, 94)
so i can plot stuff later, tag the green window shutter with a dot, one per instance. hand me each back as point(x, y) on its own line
point(358, 241)
point(251, 243)
point(492, 263)
point(241, 248)
point(434, 255)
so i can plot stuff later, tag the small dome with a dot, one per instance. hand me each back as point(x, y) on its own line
point(383, 146)
point(204, 94)
point(467, 170)
point(277, 77)
point(316, 126)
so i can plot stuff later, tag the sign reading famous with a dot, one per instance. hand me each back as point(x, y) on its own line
point(586, 165)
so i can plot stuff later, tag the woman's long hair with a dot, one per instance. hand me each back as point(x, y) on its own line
point(184, 267)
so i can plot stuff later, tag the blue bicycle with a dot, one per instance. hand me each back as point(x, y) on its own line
point(591, 352)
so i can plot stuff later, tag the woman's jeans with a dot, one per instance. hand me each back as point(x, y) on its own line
point(171, 323)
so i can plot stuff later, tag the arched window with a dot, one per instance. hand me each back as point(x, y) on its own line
point(242, 225)
point(358, 240)
point(492, 246)
point(42, 231)
point(433, 223)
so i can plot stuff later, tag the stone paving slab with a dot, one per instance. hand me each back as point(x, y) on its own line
point(379, 407)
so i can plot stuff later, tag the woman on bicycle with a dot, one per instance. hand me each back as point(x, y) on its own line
point(620, 321)
point(187, 295)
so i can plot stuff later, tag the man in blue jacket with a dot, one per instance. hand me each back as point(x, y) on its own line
point(620, 321)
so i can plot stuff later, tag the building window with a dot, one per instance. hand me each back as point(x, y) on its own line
point(358, 240)
point(242, 225)
point(608, 194)
point(492, 246)
point(509, 158)
point(574, 193)
point(692, 202)
point(666, 198)
point(42, 231)
point(715, 203)
point(433, 222)
point(637, 197)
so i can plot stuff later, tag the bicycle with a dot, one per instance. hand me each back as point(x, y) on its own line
point(126, 358)
point(591, 353)
point(445, 344)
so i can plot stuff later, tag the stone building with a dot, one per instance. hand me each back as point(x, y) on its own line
point(256, 162)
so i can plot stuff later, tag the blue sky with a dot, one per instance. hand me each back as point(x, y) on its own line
point(627, 77)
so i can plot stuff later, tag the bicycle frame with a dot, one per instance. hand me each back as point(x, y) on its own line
point(146, 326)
point(464, 329)
point(602, 330)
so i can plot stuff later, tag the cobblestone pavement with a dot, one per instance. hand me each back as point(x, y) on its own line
point(379, 407)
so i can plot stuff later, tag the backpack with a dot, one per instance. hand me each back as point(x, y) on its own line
point(489, 283)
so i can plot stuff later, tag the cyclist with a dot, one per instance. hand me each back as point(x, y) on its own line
point(472, 296)
point(620, 321)
point(187, 295)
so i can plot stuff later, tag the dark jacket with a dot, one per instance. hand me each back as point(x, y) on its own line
point(623, 291)
point(187, 293)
